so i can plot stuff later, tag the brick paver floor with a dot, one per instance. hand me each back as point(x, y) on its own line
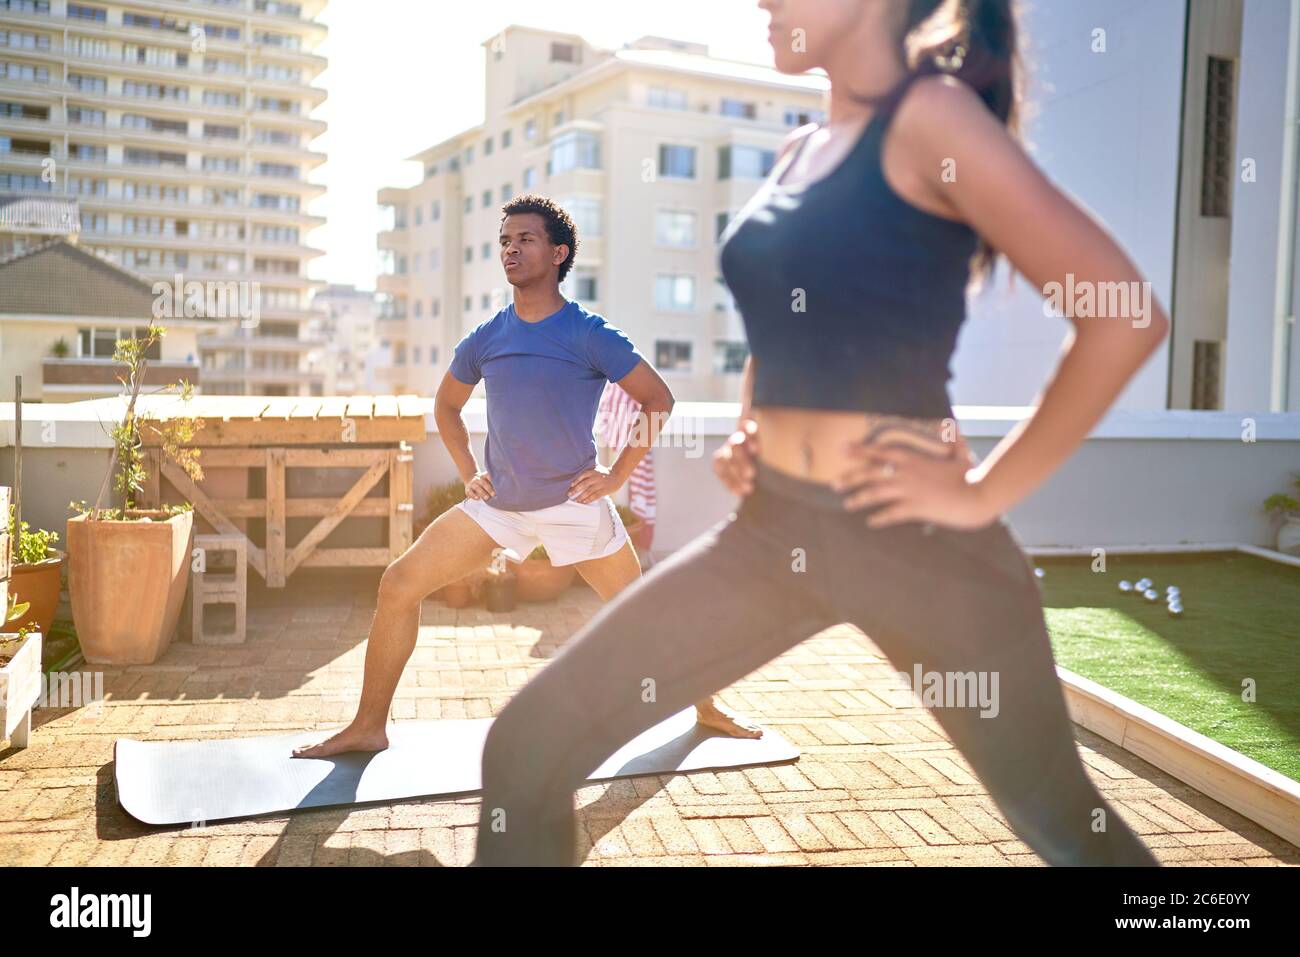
point(877, 782)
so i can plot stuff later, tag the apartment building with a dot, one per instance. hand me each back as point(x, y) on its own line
point(652, 148)
point(183, 129)
point(346, 329)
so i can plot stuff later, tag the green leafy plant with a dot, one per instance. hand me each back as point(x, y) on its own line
point(127, 458)
point(16, 609)
point(30, 547)
point(1282, 504)
point(60, 349)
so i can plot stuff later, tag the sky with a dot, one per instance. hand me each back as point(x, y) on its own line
point(431, 50)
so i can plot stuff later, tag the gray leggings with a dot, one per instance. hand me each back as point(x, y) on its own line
point(790, 562)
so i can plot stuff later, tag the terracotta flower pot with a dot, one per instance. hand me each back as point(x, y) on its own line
point(127, 581)
point(39, 584)
point(538, 580)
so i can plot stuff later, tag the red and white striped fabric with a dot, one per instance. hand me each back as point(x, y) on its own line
point(616, 417)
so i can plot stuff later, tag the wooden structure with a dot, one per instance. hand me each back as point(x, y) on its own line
point(278, 434)
point(213, 587)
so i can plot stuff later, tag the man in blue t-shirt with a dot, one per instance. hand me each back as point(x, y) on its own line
point(545, 360)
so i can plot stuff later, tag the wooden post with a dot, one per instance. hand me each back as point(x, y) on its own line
point(4, 557)
point(406, 508)
point(275, 521)
point(151, 494)
point(18, 462)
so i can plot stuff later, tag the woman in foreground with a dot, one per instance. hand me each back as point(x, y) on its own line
point(861, 504)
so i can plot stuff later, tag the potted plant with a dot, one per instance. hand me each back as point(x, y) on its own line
point(1286, 507)
point(37, 574)
point(128, 568)
point(60, 349)
point(20, 674)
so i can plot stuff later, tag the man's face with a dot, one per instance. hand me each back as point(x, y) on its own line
point(527, 255)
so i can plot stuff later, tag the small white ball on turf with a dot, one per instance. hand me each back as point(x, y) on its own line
point(1151, 595)
point(1126, 586)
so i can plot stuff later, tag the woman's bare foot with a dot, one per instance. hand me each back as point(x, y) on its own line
point(349, 739)
point(710, 715)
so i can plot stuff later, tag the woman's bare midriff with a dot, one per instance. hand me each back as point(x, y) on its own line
point(809, 443)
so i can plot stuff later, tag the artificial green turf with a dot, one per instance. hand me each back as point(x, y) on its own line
point(1241, 619)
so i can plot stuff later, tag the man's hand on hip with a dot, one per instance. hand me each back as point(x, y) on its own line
point(594, 484)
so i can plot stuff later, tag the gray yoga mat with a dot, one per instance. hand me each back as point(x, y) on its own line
point(187, 782)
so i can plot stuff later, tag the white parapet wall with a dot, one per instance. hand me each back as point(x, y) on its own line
point(1141, 478)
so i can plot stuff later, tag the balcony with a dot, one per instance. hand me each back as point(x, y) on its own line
point(99, 376)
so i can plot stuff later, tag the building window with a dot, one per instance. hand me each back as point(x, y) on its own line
point(582, 286)
point(676, 162)
point(486, 251)
point(487, 198)
point(77, 11)
point(744, 162)
point(530, 178)
point(505, 193)
point(674, 293)
point(469, 303)
point(577, 149)
point(672, 355)
point(667, 99)
point(740, 109)
point(720, 224)
point(729, 357)
point(585, 213)
point(530, 130)
point(796, 116)
point(506, 137)
point(675, 227)
point(469, 254)
point(487, 146)
point(1216, 157)
point(100, 343)
point(469, 204)
point(1206, 355)
point(435, 211)
point(419, 215)
point(564, 53)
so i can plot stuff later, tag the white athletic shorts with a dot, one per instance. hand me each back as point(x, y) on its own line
point(571, 531)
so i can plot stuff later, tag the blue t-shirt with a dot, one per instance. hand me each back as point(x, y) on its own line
point(544, 381)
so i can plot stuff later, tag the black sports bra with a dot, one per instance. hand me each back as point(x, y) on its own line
point(851, 296)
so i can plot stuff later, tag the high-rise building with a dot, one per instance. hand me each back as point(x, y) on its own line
point(652, 148)
point(183, 129)
point(346, 331)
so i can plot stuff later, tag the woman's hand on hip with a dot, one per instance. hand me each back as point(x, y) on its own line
point(733, 463)
point(907, 485)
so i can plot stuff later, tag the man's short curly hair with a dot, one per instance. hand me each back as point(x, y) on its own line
point(560, 229)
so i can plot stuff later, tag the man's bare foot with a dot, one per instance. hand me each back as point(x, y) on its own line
point(711, 716)
point(349, 739)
